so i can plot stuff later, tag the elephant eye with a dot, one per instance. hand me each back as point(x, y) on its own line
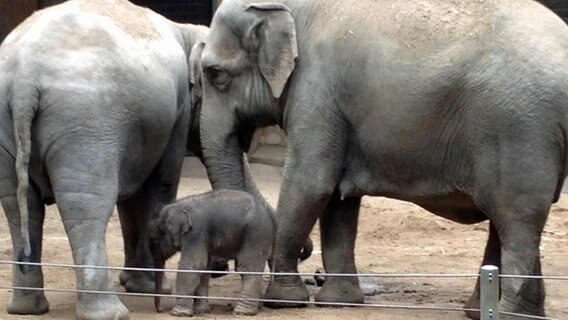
point(217, 76)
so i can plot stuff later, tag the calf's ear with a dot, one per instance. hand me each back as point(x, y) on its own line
point(272, 37)
point(178, 224)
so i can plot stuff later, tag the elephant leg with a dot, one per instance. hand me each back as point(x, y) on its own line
point(338, 227)
point(202, 305)
point(312, 173)
point(85, 217)
point(251, 289)
point(159, 189)
point(299, 207)
point(251, 259)
point(130, 239)
point(520, 240)
point(26, 301)
point(518, 207)
point(492, 256)
point(194, 258)
point(135, 214)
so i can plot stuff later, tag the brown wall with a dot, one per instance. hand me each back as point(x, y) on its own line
point(185, 11)
point(13, 12)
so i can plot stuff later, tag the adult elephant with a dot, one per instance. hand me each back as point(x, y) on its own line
point(459, 107)
point(194, 148)
point(95, 110)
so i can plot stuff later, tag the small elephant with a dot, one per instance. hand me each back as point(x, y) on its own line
point(229, 224)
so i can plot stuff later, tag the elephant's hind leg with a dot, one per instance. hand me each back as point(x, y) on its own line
point(520, 240)
point(252, 259)
point(517, 205)
point(85, 197)
point(492, 256)
point(338, 225)
point(26, 301)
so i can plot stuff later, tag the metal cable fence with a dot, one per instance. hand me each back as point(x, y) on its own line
point(492, 312)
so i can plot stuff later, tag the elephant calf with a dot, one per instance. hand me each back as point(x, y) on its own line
point(229, 224)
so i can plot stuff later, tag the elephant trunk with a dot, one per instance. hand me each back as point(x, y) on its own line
point(222, 151)
point(159, 277)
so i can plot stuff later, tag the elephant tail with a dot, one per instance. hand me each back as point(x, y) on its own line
point(24, 105)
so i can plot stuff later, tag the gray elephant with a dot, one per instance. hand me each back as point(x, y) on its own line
point(194, 148)
point(460, 108)
point(95, 109)
point(225, 223)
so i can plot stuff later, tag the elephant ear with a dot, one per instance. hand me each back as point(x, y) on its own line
point(178, 224)
point(195, 72)
point(273, 39)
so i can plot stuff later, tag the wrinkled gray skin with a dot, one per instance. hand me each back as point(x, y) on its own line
point(224, 223)
point(194, 148)
point(457, 106)
point(95, 108)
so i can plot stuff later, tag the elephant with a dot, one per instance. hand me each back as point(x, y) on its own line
point(195, 149)
point(95, 109)
point(232, 224)
point(457, 106)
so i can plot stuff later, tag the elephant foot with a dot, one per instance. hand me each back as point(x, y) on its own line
point(341, 290)
point(201, 306)
point(520, 306)
point(293, 291)
point(108, 308)
point(28, 302)
point(124, 276)
point(181, 311)
point(145, 284)
point(246, 309)
point(473, 303)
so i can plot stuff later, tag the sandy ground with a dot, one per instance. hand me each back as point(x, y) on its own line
point(394, 237)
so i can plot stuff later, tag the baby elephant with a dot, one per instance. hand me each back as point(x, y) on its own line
point(225, 223)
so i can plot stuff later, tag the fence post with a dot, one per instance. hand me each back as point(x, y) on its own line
point(489, 295)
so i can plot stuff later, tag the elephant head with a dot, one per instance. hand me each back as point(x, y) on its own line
point(219, 134)
point(246, 63)
point(166, 233)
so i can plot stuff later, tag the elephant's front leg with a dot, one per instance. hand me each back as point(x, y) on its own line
point(26, 301)
point(312, 172)
point(135, 214)
point(187, 283)
point(338, 227)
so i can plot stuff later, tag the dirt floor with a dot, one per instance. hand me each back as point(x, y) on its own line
point(394, 237)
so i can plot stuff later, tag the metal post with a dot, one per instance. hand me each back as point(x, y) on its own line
point(489, 295)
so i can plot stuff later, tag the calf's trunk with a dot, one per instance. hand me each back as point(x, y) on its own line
point(159, 277)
